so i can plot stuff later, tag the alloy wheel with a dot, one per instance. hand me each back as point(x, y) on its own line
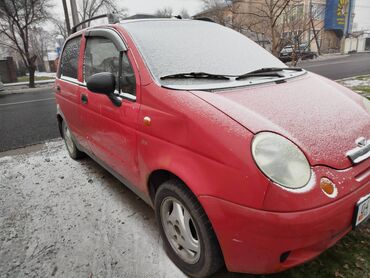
point(180, 230)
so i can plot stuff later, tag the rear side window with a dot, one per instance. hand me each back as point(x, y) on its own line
point(69, 60)
point(101, 55)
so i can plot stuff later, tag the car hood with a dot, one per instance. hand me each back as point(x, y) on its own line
point(322, 117)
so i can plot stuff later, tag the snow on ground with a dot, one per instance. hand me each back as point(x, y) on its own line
point(360, 84)
point(46, 74)
point(351, 82)
point(63, 218)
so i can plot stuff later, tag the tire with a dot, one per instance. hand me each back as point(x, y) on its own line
point(72, 149)
point(201, 255)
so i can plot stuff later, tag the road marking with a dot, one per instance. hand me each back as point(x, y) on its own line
point(28, 101)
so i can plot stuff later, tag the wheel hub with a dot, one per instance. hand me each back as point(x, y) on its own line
point(180, 230)
point(68, 139)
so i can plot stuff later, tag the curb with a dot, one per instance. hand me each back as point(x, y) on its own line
point(323, 57)
point(26, 90)
point(26, 83)
point(36, 146)
point(19, 87)
point(352, 77)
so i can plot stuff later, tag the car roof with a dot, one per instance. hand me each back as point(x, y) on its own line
point(123, 22)
point(126, 21)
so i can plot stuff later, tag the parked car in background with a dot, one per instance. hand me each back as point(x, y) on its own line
point(302, 53)
point(246, 162)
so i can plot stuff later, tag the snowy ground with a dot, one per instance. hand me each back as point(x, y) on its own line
point(63, 218)
point(359, 84)
point(47, 74)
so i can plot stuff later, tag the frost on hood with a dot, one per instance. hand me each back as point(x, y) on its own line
point(317, 115)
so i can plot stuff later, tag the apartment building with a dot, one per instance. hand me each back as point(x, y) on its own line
point(358, 34)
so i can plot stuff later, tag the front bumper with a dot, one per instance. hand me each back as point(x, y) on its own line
point(256, 241)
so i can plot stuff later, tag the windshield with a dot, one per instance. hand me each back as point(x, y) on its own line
point(181, 46)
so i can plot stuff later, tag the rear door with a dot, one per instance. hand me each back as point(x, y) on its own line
point(111, 130)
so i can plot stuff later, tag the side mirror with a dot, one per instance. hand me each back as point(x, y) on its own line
point(102, 83)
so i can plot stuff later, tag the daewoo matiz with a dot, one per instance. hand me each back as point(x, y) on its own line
point(247, 162)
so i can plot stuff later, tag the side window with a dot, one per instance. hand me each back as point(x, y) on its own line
point(69, 60)
point(101, 55)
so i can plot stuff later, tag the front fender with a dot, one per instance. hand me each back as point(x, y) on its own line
point(203, 176)
point(204, 147)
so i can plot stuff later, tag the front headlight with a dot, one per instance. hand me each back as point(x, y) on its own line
point(280, 160)
point(367, 104)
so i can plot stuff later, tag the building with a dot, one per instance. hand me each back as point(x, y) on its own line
point(306, 19)
point(358, 35)
point(302, 22)
point(8, 72)
point(319, 24)
point(345, 25)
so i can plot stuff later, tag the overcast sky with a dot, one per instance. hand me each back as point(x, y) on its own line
point(144, 6)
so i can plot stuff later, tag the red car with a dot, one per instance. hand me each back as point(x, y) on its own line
point(247, 162)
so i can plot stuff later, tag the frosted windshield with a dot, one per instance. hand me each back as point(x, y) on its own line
point(181, 46)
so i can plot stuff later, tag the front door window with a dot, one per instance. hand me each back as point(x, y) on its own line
point(101, 55)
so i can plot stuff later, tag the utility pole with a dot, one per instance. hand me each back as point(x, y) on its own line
point(74, 12)
point(309, 25)
point(66, 16)
point(346, 27)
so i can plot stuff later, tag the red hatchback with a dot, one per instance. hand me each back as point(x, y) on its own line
point(246, 162)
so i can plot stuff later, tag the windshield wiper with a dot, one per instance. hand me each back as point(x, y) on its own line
point(263, 72)
point(273, 72)
point(204, 75)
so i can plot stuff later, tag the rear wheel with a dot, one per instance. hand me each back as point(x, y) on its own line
point(188, 235)
point(71, 146)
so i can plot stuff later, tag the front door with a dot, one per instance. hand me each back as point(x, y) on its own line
point(111, 131)
point(67, 91)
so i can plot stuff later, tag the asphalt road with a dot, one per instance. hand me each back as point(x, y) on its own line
point(29, 118)
point(341, 67)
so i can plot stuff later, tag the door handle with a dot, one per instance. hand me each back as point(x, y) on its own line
point(58, 89)
point(84, 99)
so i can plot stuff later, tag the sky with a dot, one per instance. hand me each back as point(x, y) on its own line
point(143, 6)
point(150, 6)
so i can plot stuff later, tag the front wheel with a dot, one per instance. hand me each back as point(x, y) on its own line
point(188, 235)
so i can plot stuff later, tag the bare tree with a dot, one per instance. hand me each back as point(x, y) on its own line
point(17, 17)
point(165, 12)
point(60, 27)
point(39, 42)
point(90, 8)
point(184, 14)
point(267, 15)
point(297, 28)
point(273, 19)
point(217, 10)
point(233, 15)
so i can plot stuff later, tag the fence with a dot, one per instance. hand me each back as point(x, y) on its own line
point(8, 70)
